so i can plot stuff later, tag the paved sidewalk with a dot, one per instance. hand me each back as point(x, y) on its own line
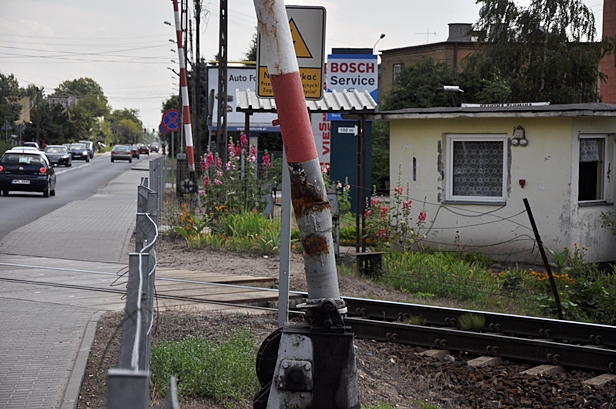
point(44, 345)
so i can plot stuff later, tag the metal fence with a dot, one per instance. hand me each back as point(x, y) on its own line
point(128, 384)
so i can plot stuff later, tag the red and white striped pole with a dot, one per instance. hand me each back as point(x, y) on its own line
point(308, 194)
point(184, 90)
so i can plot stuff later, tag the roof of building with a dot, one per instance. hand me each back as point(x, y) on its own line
point(591, 109)
point(354, 101)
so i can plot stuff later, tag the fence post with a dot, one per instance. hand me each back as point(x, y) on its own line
point(134, 350)
point(128, 389)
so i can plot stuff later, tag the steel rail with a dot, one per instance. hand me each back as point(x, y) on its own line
point(534, 350)
point(375, 325)
point(544, 328)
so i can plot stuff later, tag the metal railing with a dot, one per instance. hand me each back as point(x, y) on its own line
point(128, 384)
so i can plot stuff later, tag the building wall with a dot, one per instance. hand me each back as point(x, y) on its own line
point(450, 53)
point(608, 63)
point(548, 165)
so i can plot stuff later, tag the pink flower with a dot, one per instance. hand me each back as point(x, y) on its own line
point(368, 213)
point(406, 204)
point(219, 173)
point(201, 192)
point(238, 151)
point(231, 148)
point(253, 150)
point(382, 233)
point(422, 216)
point(203, 166)
point(209, 160)
point(266, 161)
point(218, 163)
point(218, 182)
point(243, 140)
point(398, 190)
point(384, 211)
point(206, 182)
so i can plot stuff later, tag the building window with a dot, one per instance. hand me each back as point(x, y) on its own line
point(477, 166)
point(591, 168)
point(397, 69)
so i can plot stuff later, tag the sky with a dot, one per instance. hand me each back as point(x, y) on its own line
point(124, 45)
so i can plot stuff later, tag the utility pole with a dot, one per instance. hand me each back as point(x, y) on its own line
point(197, 81)
point(221, 124)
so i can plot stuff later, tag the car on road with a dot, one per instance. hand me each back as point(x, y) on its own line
point(134, 150)
point(25, 149)
point(27, 171)
point(154, 147)
point(79, 151)
point(33, 145)
point(121, 152)
point(143, 149)
point(89, 147)
point(58, 155)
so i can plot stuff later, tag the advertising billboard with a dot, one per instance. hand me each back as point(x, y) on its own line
point(242, 78)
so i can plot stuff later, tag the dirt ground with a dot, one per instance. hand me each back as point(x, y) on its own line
point(379, 372)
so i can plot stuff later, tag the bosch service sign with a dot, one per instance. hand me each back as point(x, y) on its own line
point(348, 72)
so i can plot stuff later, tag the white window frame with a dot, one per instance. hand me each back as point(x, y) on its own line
point(396, 69)
point(451, 139)
point(603, 160)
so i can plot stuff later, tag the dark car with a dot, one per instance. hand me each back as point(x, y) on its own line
point(79, 151)
point(27, 171)
point(89, 147)
point(121, 152)
point(58, 155)
point(134, 150)
point(143, 149)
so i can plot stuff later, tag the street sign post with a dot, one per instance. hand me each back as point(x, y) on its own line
point(308, 33)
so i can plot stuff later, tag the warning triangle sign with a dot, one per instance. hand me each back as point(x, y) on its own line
point(301, 49)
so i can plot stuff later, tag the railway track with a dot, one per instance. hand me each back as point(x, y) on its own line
point(546, 341)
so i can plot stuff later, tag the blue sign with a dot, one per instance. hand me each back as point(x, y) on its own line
point(350, 72)
point(162, 129)
point(171, 120)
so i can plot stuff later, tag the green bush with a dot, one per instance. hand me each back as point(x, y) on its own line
point(221, 371)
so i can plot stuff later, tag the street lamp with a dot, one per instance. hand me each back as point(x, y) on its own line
point(377, 41)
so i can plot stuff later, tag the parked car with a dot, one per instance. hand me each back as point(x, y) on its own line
point(144, 149)
point(121, 152)
point(33, 145)
point(89, 147)
point(134, 149)
point(27, 171)
point(58, 155)
point(154, 147)
point(79, 151)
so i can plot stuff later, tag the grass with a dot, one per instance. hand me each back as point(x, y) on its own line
point(223, 372)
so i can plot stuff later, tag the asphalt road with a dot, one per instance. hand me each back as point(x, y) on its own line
point(78, 182)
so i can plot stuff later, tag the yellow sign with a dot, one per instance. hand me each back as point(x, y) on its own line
point(307, 24)
point(312, 82)
point(301, 49)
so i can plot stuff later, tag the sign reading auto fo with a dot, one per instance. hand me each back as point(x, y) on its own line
point(308, 32)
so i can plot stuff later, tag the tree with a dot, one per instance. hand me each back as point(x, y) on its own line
point(420, 85)
point(251, 54)
point(126, 126)
point(82, 87)
point(9, 99)
point(544, 52)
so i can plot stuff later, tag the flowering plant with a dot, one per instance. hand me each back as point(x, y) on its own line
point(234, 184)
point(394, 226)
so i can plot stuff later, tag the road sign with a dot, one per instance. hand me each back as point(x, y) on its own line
point(348, 129)
point(171, 120)
point(162, 129)
point(308, 33)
